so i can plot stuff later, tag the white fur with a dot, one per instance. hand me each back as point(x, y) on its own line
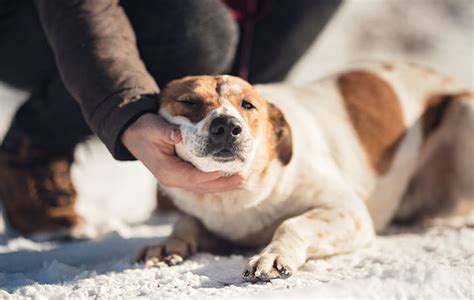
point(230, 88)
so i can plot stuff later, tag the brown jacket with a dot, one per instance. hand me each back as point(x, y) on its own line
point(95, 50)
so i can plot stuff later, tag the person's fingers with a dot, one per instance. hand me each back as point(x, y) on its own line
point(221, 184)
point(165, 148)
point(165, 131)
point(169, 134)
point(173, 171)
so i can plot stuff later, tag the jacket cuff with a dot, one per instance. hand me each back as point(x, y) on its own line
point(114, 115)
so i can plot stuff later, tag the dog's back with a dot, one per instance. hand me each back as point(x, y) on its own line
point(398, 133)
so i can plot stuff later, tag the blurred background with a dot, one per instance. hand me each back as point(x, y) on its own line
point(437, 33)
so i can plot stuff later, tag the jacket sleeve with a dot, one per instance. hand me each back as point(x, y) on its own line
point(96, 54)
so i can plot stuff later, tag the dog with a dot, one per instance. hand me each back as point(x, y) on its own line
point(328, 164)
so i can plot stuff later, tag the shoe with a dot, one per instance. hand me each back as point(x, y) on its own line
point(37, 192)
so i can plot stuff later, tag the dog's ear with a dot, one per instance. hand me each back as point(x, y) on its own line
point(281, 134)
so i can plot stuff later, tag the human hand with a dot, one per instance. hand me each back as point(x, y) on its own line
point(151, 140)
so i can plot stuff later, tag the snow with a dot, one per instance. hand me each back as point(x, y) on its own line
point(117, 199)
point(434, 263)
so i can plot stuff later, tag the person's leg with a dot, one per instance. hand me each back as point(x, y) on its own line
point(50, 118)
point(35, 161)
point(183, 37)
point(26, 61)
point(36, 155)
point(282, 35)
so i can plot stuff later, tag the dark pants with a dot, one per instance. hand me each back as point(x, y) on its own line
point(175, 39)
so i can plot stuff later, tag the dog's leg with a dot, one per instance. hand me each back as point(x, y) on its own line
point(458, 209)
point(188, 237)
point(441, 192)
point(318, 233)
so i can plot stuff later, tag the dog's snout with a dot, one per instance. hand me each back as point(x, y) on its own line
point(223, 127)
point(225, 137)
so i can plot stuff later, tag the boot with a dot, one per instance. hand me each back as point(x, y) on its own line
point(36, 190)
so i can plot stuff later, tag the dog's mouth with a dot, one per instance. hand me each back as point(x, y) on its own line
point(224, 153)
point(227, 154)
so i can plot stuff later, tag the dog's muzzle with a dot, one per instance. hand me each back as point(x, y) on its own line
point(225, 135)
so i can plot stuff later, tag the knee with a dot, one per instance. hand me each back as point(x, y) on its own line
point(212, 35)
point(186, 37)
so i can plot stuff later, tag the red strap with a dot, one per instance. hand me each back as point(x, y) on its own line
point(246, 13)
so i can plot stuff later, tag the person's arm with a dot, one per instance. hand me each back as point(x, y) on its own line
point(97, 57)
point(95, 50)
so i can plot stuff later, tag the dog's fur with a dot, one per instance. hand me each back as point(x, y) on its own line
point(328, 163)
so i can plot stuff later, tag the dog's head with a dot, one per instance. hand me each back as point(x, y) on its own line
point(225, 124)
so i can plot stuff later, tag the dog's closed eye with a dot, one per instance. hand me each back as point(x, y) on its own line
point(192, 104)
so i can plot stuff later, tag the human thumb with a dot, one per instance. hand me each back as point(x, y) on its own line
point(169, 133)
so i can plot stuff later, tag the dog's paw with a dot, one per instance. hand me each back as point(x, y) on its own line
point(171, 252)
point(267, 266)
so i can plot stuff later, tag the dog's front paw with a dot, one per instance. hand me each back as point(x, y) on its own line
point(171, 252)
point(267, 266)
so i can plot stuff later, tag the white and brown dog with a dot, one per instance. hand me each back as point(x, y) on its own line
point(328, 163)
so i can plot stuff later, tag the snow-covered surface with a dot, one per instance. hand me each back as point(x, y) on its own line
point(118, 198)
point(436, 263)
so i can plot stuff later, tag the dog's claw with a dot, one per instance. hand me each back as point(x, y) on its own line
point(246, 276)
point(249, 276)
point(170, 253)
point(267, 266)
point(173, 259)
point(284, 273)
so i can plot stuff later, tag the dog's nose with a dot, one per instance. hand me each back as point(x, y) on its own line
point(223, 127)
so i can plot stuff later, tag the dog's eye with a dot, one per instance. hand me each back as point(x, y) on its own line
point(247, 105)
point(191, 104)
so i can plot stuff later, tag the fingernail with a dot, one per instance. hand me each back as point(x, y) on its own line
point(174, 134)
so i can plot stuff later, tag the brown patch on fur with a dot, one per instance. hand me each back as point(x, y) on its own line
point(429, 71)
point(357, 226)
point(321, 214)
point(200, 89)
point(164, 202)
point(423, 68)
point(388, 66)
point(313, 214)
point(436, 107)
point(376, 115)
point(280, 137)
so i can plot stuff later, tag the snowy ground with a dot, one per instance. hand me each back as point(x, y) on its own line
point(118, 198)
